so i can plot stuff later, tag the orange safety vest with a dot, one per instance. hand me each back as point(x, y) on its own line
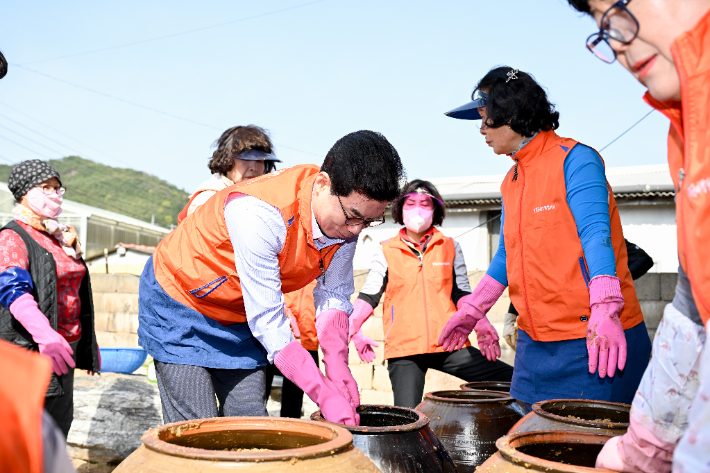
point(194, 263)
point(544, 257)
point(303, 307)
point(418, 295)
point(24, 379)
point(183, 212)
point(689, 157)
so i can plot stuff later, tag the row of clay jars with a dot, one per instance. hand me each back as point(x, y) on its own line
point(395, 439)
point(471, 442)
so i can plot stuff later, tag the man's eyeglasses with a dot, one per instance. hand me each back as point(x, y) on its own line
point(617, 24)
point(352, 221)
point(47, 189)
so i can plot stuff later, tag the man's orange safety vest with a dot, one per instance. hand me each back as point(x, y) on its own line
point(689, 157)
point(547, 272)
point(194, 263)
point(24, 379)
point(418, 295)
point(303, 307)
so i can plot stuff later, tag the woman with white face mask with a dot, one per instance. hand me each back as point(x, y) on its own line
point(45, 300)
point(424, 278)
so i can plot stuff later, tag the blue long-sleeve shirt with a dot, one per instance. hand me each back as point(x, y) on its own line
point(588, 199)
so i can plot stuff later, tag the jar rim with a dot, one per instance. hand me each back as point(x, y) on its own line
point(540, 408)
point(335, 438)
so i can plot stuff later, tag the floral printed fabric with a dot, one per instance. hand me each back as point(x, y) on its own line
point(662, 402)
point(70, 273)
point(693, 452)
point(65, 234)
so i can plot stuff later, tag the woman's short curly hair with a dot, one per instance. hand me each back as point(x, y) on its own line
point(412, 186)
point(520, 103)
point(236, 140)
point(580, 5)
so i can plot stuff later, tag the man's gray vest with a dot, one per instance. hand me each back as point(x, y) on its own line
point(43, 271)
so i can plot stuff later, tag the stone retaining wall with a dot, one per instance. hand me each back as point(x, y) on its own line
point(116, 309)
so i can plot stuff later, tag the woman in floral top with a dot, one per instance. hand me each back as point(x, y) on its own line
point(45, 300)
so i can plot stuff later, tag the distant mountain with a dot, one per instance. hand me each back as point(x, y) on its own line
point(125, 191)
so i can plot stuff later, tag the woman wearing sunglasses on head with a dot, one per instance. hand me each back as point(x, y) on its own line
point(423, 275)
point(562, 254)
point(242, 153)
point(665, 45)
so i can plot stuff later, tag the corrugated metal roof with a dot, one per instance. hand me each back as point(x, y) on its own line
point(88, 211)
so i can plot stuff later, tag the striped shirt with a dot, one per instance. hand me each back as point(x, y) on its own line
point(258, 235)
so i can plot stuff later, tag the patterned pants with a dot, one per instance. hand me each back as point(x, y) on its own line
point(693, 451)
point(192, 392)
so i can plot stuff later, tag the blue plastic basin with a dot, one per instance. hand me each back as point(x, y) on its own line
point(122, 360)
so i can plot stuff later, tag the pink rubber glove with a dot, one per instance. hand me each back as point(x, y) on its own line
point(332, 329)
point(472, 308)
point(361, 312)
point(637, 451)
point(364, 345)
point(51, 344)
point(297, 365)
point(487, 339)
point(293, 321)
point(606, 342)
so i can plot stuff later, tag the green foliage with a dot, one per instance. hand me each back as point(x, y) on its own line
point(125, 191)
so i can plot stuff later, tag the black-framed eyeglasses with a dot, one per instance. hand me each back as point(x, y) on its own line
point(617, 24)
point(352, 221)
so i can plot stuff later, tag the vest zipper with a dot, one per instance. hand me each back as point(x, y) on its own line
point(522, 256)
point(322, 271)
point(515, 171)
point(426, 312)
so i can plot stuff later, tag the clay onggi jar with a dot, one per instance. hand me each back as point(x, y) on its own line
point(397, 439)
point(547, 451)
point(468, 423)
point(208, 445)
point(611, 418)
point(500, 386)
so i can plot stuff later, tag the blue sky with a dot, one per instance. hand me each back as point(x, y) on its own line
point(309, 71)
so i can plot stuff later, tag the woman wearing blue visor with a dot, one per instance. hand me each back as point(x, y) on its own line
point(561, 253)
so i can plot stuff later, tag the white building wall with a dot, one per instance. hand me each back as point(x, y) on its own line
point(653, 228)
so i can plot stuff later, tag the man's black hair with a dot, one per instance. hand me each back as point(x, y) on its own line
point(520, 103)
point(364, 162)
point(3, 65)
point(580, 5)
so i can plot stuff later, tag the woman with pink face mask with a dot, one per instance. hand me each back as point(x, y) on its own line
point(423, 276)
point(45, 292)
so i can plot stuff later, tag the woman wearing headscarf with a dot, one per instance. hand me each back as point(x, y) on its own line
point(423, 276)
point(45, 292)
point(665, 45)
point(561, 252)
point(242, 153)
point(31, 441)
